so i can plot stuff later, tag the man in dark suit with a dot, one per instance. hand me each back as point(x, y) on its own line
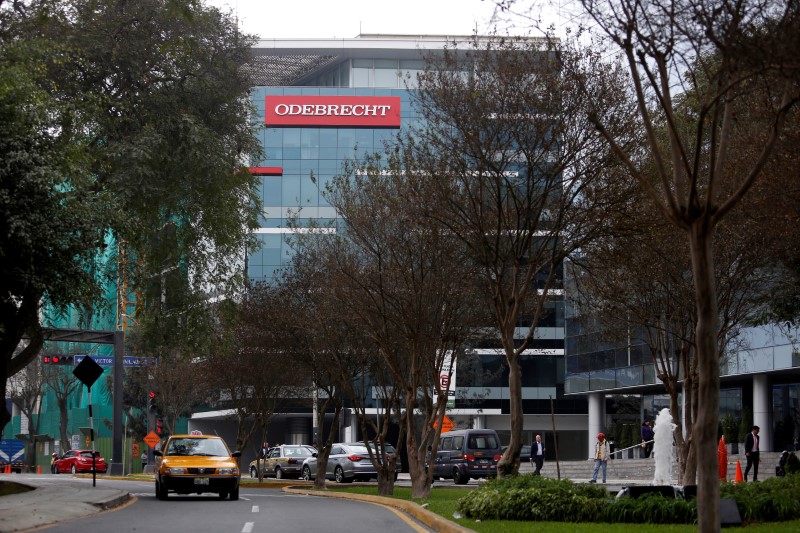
point(751, 451)
point(537, 455)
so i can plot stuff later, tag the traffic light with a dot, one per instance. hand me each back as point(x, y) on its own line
point(58, 360)
point(159, 426)
point(151, 401)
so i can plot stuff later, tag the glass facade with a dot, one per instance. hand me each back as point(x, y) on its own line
point(309, 158)
point(597, 360)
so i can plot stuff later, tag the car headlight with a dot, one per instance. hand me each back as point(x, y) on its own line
point(174, 470)
point(228, 471)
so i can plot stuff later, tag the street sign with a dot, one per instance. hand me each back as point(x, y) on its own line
point(152, 439)
point(127, 361)
point(447, 424)
point(87, 372)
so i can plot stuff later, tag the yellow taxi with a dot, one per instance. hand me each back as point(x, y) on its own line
point(194, 464)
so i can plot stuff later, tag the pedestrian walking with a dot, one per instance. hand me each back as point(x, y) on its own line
point(751, 451)
point(601, 454)
point(537, 455)
point(144, 460)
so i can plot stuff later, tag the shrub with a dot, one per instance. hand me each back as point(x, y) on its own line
point(730, 428)
point(653, 509)
point(773, 500)
point(792, 464)
point(533, 498)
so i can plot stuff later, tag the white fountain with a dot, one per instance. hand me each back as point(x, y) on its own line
point(663, 448)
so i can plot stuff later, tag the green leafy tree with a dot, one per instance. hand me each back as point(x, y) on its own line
point(50, 226)
point(130, 126)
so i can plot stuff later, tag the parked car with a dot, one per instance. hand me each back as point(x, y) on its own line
point(524, 453)
point(76, 461)
point(349, 461)
point(282, 461)
point(194, 464)
point(467, 453)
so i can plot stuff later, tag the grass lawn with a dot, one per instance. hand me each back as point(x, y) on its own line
point(443, 501)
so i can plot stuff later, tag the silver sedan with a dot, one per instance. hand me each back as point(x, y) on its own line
point(347, 462)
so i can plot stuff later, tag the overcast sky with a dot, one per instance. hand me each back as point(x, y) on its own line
point(347, 18)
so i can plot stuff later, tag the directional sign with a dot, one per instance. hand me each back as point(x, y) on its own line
point(447, 424)
point(127, 361)
point(152, 439)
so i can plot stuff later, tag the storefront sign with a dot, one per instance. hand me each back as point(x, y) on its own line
point(341, 111)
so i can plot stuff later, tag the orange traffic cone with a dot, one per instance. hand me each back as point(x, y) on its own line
point(739, 477)
point(39, 469)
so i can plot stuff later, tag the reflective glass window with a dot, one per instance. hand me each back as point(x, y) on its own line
point(386, 73)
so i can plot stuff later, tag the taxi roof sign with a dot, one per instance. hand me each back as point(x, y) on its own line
point(196, 432)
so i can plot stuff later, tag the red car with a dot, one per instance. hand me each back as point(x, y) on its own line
point(80, 461)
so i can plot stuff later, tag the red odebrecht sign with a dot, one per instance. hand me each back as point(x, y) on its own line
point(347, 111)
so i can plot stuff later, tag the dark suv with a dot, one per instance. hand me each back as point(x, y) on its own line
point(467, 453)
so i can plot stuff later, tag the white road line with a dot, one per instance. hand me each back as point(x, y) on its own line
point(248, 527)
point(255, 508)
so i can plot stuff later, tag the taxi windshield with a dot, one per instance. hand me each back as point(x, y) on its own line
point(211, 447)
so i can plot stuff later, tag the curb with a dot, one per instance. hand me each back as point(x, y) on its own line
point(430, 519)
point(113, 502)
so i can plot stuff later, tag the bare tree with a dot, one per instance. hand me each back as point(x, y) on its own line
point(25, 389)
point(63, 384)
point(639, 281)
point(410, 288)
point(179, 387)
point(327, 348)
point(515, 165)
point(242, 368)
point(723, 51)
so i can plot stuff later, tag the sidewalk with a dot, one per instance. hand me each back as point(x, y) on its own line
point(54, 499)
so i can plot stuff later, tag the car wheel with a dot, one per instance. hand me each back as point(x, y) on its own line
point(253, 472)
point(459, 478)
point(338, 475)
point(73, 469)
point(278, 473)
point(235, 494)
point(223, 495)
point(306, 473)
point(161, 491)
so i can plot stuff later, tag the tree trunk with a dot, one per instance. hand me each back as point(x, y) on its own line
point(417, 453)
point(5, 416)
point(385, 482)
point(705, 430)
point(509, 462)
point(66, 444)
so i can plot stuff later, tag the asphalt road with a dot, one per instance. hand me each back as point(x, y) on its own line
point(257, 510)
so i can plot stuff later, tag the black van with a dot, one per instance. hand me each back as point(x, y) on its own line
point(467, 453)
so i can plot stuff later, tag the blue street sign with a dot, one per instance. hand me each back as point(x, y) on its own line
point(127, 361)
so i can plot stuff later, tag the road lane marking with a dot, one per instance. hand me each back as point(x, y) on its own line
point(255, 508)
point(248, 527)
